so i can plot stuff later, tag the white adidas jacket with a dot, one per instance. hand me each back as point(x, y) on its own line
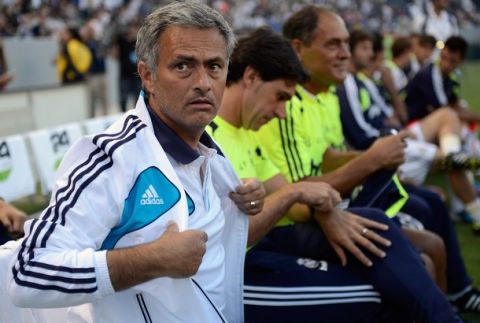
point(62, 261)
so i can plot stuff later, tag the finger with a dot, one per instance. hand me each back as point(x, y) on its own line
point(336, 198)
point(172, 226)
point(370, 246)
point(372, 224)
point(340, 253)
point(204, 236)
point(404, 134)
point(243, 189)
point(237, 198)
point(17, 225)
point(357, 253)
point(249, 185)
point(373, 236)
point(6, 222)
point(253, 206)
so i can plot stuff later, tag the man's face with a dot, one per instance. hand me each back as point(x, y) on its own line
point(326, 58)
point(440, 4)
point(449, 61)
point(422, 53)
point(187, 87)
point(264, 101)
point(362, 54)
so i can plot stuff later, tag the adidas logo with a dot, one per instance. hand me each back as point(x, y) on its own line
point(150, 197)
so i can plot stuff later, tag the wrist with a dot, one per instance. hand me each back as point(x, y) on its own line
point(296, 192)
point(371, 161)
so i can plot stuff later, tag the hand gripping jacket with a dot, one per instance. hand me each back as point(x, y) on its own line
point(103, 200)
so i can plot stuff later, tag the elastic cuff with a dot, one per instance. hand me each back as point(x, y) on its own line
point(103, 277)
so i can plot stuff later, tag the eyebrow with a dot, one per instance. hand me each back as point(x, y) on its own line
point(284, 95)
point(189, 58)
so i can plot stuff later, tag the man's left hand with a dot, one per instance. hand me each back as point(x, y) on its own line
point(348, 232)
point(249, 196)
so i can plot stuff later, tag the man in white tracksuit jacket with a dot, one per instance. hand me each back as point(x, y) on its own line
point(140, 223)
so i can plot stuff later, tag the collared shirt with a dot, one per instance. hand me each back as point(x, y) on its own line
point(243, 150)
point(430, 90)
point(205, 212)
point(296, 144)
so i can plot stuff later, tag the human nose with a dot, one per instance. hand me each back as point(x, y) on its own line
point(280, 110)
point(203, 81)
point(344, 51)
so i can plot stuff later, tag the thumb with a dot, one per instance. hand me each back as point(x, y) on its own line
point(6, 222)
point(172, 226)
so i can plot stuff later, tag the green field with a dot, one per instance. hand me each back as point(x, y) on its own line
point(470, 84)
point(469, 242)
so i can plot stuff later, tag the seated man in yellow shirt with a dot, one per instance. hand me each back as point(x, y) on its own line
point(294, 273)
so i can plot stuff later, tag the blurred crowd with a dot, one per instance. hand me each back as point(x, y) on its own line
point(107, 17)
point(109, 27)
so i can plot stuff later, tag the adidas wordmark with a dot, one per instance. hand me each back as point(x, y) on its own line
point(151, 197)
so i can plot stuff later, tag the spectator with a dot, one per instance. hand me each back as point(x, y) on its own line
point(74, 58)
point(96, 78)
point(125, 52)
point(432, 18)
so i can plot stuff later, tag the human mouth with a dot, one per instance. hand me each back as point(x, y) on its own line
point(201, 103)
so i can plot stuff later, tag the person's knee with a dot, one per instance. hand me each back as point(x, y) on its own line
point(432, 245)
point(447, 114)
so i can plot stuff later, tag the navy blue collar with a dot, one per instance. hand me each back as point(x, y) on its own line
point(173, 144)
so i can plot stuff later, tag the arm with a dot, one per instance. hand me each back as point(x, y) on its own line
point(386, 152)
point(358, 130)
point(318, 195)
point(398, 104)
point(175, 254)
point(337, 159)
point(60, 262)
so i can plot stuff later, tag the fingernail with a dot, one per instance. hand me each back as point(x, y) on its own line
point(369, 264)
point(389, 243)
point(383, 254)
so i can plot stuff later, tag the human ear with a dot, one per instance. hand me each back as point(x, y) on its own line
point(146, 76)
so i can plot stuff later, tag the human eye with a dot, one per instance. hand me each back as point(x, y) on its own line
point(181, 67)
point(215, 68)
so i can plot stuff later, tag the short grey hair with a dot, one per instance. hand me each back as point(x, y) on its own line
point(189, 14)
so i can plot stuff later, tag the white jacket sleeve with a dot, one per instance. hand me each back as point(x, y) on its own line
point(60, 262)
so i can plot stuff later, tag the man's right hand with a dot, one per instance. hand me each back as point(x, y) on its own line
point(318, 195)
point(184, 251)
point(389, 151)
point(174, 254)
